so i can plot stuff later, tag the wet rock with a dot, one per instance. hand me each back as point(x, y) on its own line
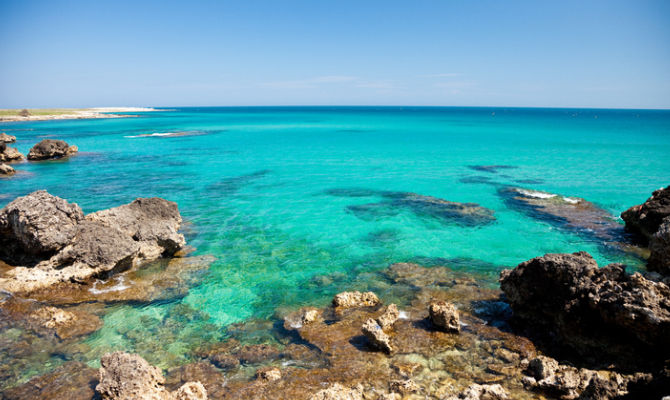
point(51, 149)
point(444, 316)
point(72, 381)
point(201, 372)
point(6, 170)
point(659, 247)
point(339, 392)
point(8, 154)
point(257, 353)
point(646, 218)
point(63, 323)
point(389, 317)
point(483, 392)
point(599, 311)
point(225, 361)
point(38, 224)
point(304, 316)
point(404, 386)
point(191, 391)
point(355, 299)
point(5, 138)
point(268, 374)
point(375, 334)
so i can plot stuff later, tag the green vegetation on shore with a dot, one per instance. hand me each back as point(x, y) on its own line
point(39, 111)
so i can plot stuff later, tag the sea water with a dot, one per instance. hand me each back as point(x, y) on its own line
point(269, 192)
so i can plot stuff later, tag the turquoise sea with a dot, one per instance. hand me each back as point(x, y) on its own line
point(272, 193)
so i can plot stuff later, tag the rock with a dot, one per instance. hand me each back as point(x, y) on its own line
point(72, 381)
point(659, 247)
point(339, 392)
point(50, 149)
point(63, 323)
point(646, 218)
point(404, 386)
point(126, 376)
point(257, 353)
point(9, 153)
point(389, 317)
point(202, 372)
point(153, 222)
point(5, 138)
point(6, 170)
point(444, 316)
point(268, 374)
point(598, 311)
point(191, 391)
point(376, 336)
point(38, 224)
point(225, 361)
point(346, 300)
point(483, 392)
point(302, 317)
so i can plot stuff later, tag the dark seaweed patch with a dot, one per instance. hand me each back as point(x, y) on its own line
point(373, 211)
point(351, 192)
point(230, 186)
point(476, 179)
point(493, 169)
point(381, 237)
point(530, 181)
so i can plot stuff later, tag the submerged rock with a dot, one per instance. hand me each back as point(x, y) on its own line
point(9, 153)
point(645, 219)
point(6, 170)
point(444, 316)
point(72, 381)
point(659, 247)
point(50, 149)
point(600, 311)
point(491, 168)
point(355, 299)
point(5, 138)
point(268, 374)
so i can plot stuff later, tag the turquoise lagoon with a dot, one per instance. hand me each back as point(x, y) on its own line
point(267, 191)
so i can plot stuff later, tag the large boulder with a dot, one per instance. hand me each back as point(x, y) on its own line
point(6, 170)
point(125, 376)
point(38, 224)
point(659, 247)
point(646, 218)
point(5, 138)
point(592, 310)
point(50, 149)
point(9, 153)
point(153, 222)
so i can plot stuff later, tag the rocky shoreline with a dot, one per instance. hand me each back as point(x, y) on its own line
point(561, 327)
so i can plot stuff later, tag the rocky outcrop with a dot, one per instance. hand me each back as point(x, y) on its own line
point(645, 219)
point(376, 335)
point(5, 138)
point(346, 300)
point(601, 311)
point(659, 247)
point(8, 154)
point(51, 149)
point(6, 170)
point(339, 392)
point(389, 317)
point(53, 235)
point(126, 376)
point(444, 316)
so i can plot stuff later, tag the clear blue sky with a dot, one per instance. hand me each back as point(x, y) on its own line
point(586, 53)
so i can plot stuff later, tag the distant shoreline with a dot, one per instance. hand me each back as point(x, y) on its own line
point(58, 114)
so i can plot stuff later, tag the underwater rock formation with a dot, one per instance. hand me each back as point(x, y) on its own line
point(71, 381)
point(9, 153)
point(51, 149)
point(69, 247)
point(645, 219)
point(602, 311)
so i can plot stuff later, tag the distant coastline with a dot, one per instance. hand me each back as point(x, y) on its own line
point(65, 113)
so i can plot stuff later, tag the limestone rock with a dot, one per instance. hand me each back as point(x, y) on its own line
point(5, 138)
point(482, 392)
point(646, 218)
point(444, 316)
point(9, 153)
point(191, 391)
point(389, 317)
point(126, 376)
point(268, 374)
point(355, 299)
point(376, 336)
point(71, 381)
point(51, 149)
point(6, 170)
point(339, 392)
point(659, 246)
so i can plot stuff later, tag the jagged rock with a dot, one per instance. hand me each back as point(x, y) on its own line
point(482, 392)
point(5, 138)
point(50, 149)
point(6, 170)
point(659, 247)
point(594, 311)
point(268, 374)
point(304, 316)
point(126, 376)
point(153, 222)
point(339, 392)
point(9, 153)
point(646, 218)
point(376, 336)
point(389, 317)
point(355, 299)
point(444, 316)
point(38, 223)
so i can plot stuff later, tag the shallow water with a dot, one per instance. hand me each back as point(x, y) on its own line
point(297, 204)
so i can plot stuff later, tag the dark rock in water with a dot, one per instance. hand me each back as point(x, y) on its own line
point(38, 224)
point(373, 211)
point(9, 153)
point(659, 247)
point(257, 353)
point(5, 138)
point(476, 180)
point(6, 170)
point(230, 186)
point(72, 381)
point(50, 149)
point(490, 168)
point(352, 192)
point(645, 219)
point(530, 181)
point(203, 372)
point(382, 237)
point(594, 311)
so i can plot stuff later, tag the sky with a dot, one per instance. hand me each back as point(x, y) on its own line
point(585, 53)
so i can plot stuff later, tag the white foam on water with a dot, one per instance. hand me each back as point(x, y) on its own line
point(572, 200)
point(536, 194)
point(403, 315)
point(116, 288)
